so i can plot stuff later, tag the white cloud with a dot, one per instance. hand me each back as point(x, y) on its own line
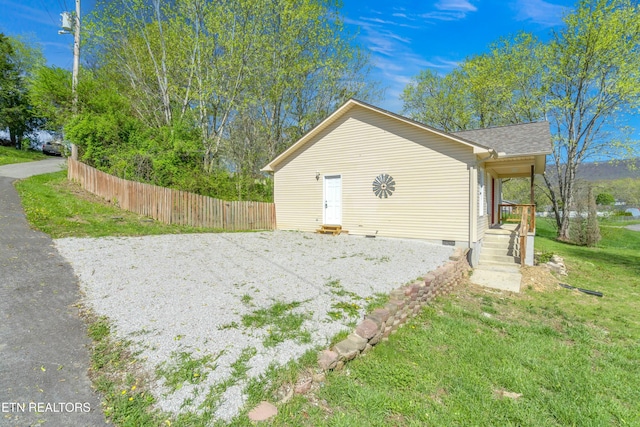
point(457, 5)
point(444, 16)
point(450, 10)
point(540, 12)
point(393, 53)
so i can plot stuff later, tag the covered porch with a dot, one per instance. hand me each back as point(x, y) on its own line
point(506, 217)
point(506, 229)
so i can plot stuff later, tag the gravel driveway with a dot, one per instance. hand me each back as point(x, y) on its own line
point(214, 296)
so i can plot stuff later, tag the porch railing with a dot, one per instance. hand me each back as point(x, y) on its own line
point(524, 232)
point(514, 213)
point(525, 215)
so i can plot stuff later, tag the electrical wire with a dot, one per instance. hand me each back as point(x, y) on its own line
point(57, 24)
point(62, 7)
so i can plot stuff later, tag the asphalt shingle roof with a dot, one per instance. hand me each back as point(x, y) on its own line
point(514, 140)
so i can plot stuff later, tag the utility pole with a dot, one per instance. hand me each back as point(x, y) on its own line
point(71, 23)
point(76, 57)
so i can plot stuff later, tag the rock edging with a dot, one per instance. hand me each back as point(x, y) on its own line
point(405, 302)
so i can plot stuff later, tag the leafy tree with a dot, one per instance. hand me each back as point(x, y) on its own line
point(626, 190)
point(593, 78)
point(503, 86)
point(231, 69)
point(17, 59)
point(50, 95)
point(583, 81)
point(605, 199)
point(440, 101)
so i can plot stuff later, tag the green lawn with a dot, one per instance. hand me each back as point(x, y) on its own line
point(62, 209)
point(545, 357)
point(9, 155)
point(568, 358)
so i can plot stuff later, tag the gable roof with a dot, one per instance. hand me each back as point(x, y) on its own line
point(514, 140)
point(351, 103)
point(524, 139)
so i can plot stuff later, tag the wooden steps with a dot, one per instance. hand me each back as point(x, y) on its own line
point(331, 229)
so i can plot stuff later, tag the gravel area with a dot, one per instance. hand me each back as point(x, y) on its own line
point(188, 293)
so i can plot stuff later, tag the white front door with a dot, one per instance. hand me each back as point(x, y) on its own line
point(333, 200)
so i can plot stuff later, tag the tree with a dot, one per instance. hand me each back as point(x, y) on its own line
point(583, 81)
point(501, 87)
point(249, 75)
point(51, 97)
point(440, 101)
point(605, 199)
point(593, 229)
point(593, 77)
point(16, 61)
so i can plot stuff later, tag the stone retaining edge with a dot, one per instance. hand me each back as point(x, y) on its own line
point(405, 302)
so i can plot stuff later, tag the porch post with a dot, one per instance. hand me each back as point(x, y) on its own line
point(532, 198)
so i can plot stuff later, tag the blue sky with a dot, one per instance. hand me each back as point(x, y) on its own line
point(403, 36)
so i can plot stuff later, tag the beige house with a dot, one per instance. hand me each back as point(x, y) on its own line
point(377, 173)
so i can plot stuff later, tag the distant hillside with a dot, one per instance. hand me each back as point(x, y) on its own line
point(607, 171)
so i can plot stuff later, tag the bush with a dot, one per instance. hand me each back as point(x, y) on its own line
point(605, 199)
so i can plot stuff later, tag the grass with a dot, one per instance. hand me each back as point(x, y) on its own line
point(280, 322)
point(126, 400)
point(483, 358)
point(62, 209)
point(184, 368)
point(9, 155)
point(476, 357)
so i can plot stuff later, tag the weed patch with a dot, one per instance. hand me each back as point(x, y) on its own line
point(184, 368)
point(281, 324)
point(126, 400)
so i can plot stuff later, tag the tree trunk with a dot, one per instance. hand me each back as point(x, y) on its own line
point(14, 140)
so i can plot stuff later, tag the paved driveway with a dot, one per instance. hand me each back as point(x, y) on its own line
point(27, 169)
point(43, 343)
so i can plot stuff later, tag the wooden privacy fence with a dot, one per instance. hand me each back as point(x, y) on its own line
point(173, 206)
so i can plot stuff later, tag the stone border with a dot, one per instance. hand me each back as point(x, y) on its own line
point(405, 302)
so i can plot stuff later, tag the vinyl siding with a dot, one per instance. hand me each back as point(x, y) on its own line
point(431, 200)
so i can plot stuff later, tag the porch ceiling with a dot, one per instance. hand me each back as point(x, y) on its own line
point(516, 167)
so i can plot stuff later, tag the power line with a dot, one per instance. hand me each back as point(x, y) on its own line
point(61, 6)
point(48, 13)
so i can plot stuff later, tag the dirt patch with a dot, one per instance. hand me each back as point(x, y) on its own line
point(538, 278)
point(75, 189)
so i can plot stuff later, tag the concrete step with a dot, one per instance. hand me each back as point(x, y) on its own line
point(504, 277)
point(498, 245)
point(497, 251)
point(498, 259)
point(499, 232)
point(500, 235)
